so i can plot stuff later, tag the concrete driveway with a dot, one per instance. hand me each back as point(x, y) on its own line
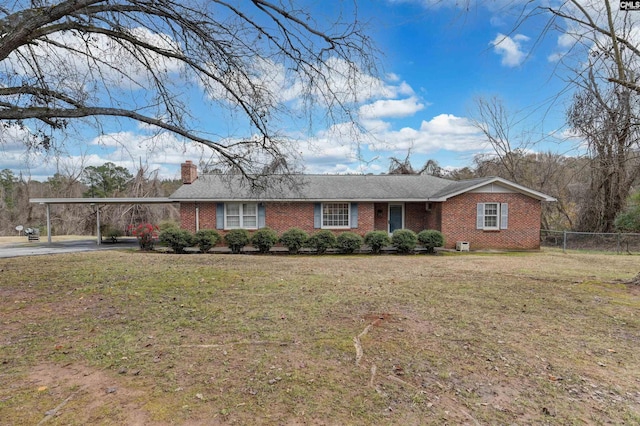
point(71, 246)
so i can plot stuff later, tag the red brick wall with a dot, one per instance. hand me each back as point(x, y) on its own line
point(283, 216)
point(459, 222)
point(434, 217)
point(188, 216)
point(206, 215)
point(366, 218)
point(278, 216)
point(381, 220)
point(415, 216)
point(455, 218)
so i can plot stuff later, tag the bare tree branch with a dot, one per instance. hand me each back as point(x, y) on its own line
point(575, 12)
point(133, 58)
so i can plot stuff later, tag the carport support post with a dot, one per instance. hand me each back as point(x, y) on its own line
point(48, 223)
point(98, 224)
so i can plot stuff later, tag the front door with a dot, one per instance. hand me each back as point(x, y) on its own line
point(396, 217)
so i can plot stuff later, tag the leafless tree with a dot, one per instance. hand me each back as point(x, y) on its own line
point(508, 141)
point(401, 167)
point(67, 60)
point(404, 167)
point(600, 59)
point(144, 184)
point(514, 155)
point(598, 29)
point(603, 63)
point(606, 116)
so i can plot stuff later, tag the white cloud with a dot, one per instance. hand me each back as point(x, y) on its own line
point(14, 155)
point(343, 148)
point(156, 151)
point(164, 151)
point(443, 132)
point(280, 85)
point(12, 135)
point(393, 77)
point(566, 40)
point(510, 49)
point(117, 67)
point(335, 151)
point(390, 108)
point(497, 21)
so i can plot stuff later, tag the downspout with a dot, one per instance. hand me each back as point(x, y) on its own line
point(197, 218)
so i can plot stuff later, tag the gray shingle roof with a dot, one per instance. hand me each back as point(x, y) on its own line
point(218, 187)
point(455, 187)
point(313, 187)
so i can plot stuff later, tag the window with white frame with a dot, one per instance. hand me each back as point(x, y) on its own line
point(335, 215)
point(492, 216)
point(241, 215)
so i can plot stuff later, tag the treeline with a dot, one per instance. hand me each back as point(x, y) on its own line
point(569, 179)
point(107, 180)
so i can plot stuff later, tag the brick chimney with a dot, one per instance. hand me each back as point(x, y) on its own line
point(189, 172)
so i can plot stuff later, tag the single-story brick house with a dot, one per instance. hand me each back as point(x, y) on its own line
point(488, 213)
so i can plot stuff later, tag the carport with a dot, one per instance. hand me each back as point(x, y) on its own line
point(93, 202)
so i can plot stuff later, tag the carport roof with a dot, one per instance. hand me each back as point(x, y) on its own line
point(94, 202)
point(162, 200)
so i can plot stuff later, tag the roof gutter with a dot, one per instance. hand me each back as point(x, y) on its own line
point(308, 200)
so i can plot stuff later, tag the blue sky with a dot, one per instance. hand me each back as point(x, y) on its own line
point(435, 59)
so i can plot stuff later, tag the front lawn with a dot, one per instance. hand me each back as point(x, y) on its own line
point(126, 337)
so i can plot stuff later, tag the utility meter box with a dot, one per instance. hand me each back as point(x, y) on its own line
point(462, 246)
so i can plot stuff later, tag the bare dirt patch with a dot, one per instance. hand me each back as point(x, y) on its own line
point(87, 395)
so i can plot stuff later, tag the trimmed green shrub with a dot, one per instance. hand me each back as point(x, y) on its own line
point(166, 224)
point(404, 240)
point(206, 239)
point(377, 240)
point(236, 239)
point(348, 242)
point(430, 239)
point(321, 241)
point(294, 239)
point(177, 239)
point(263, 239)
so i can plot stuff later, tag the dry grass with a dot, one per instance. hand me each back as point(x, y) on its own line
point(43, 237)
point(132, 338)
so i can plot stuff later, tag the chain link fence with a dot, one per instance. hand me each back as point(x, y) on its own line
point(610, 242)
